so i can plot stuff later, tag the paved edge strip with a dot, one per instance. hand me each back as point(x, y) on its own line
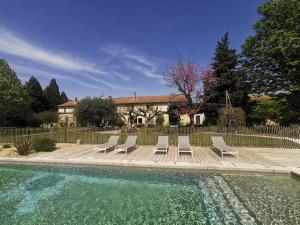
point(148, 164)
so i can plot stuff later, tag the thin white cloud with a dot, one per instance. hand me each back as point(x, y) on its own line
point(22, 70)
point(132, 60)
point(109, 84)
point(149, 72)
point(125, 78)
point(129, 53)
point(129, 62)
point(14, 45)
point(27, 70)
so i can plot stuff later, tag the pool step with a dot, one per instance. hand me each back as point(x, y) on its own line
point(221, 204)
point(235, 203)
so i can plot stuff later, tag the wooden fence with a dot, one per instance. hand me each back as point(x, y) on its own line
point(260, 136)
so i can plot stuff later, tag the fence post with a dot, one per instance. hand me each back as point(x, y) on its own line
point(65, 131)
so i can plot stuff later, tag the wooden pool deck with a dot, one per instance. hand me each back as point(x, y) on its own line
point(250, 159)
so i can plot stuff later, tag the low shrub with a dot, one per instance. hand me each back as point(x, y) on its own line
point(23, 147)
point(116, 121)
point(238, 115)
point(43, 144)
point(6, 146)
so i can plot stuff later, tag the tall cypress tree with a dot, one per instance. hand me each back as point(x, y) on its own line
point(39, 102)
point(53, 95)
point(63, 97)
point(224, 63)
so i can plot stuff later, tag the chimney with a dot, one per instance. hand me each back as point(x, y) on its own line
point(134, 93)
point(76, 99)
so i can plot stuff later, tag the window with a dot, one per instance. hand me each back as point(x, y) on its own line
point(140, 120)
point(197, 120)
point(69, 110)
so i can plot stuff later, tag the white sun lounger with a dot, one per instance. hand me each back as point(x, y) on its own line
point(111, 143)
point(184, 145)
point(219, 144)
point(130, 143)
point(162, 144)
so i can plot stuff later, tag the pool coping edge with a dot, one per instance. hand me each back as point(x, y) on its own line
point(144, 164)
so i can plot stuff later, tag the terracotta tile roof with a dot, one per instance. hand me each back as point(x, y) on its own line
point(149, 99)
point(71, 103)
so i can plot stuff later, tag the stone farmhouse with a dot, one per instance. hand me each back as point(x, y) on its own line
point(147, 103)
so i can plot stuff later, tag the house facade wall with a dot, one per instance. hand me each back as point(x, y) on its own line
point(66, 116)
point(198, 119)
point(185, 120)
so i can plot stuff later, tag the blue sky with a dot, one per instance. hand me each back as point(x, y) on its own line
point(112, 47)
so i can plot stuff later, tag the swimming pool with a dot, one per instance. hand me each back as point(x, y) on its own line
point(72, 195)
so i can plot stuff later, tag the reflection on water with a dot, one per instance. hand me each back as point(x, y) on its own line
point(47, 195)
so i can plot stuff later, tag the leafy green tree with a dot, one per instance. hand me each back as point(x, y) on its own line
point(271, 57)
point(95, 111)
point(53, 95)
point(267, 109)
point(211, 113)
point(46, 117)
point(276, 109)
point(174, 118)
point(63, 97)
point(159, 121)
point(116, 121)
point(39, 102)
point(14, 100)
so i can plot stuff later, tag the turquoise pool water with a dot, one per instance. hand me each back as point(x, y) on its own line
point(64, 195)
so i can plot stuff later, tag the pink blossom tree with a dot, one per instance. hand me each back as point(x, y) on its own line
point(187, 77)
